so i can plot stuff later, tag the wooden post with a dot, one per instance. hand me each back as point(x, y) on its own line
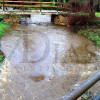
point(3, 5)
point(40, 6)
point(22, 6)
point(57, 7)
point(36, 5)
point(92, 12)
point(51, 6)
point(62, 6)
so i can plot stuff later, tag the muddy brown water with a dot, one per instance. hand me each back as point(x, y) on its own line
point(45, 61)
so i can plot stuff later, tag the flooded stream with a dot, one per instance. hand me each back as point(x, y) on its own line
point(45, 61)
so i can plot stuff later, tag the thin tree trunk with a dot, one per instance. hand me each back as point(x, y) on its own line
point(92, 13)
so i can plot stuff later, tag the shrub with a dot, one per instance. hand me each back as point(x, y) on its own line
point(76, 19)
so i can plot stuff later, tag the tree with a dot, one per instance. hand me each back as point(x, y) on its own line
point(92, 13)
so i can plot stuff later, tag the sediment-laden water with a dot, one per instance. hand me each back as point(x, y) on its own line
point(45, 61)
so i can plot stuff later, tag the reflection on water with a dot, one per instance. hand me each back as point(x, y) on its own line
point(47, 62)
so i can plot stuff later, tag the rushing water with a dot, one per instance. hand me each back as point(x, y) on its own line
point(45, 61)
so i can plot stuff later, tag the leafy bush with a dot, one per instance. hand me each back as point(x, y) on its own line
point(78, 19)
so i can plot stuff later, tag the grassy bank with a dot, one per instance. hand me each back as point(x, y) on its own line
point(92, 32)
point(3, 27)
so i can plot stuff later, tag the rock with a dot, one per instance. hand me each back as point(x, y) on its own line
point(60, 20)
point(56, 20)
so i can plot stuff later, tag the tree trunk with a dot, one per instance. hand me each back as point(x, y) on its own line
point(92, 12)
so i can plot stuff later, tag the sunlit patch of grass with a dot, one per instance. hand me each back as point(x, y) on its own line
point(97, 14)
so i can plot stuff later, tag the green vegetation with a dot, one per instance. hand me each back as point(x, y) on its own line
point(75, 14)
point(43, 8)
point(97, 14)
point(19, 16)
point(88, 96)
point(34, 8)
point(1, 58)
point(92, 32)
point(30, 8)
point(81, 14)
point(3, 27)
point(93, 35)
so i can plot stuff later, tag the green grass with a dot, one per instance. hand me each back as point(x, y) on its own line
point(92, 31)
point(93, 35)
point(97, 14)
point(43, 8)
point(3, 27)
